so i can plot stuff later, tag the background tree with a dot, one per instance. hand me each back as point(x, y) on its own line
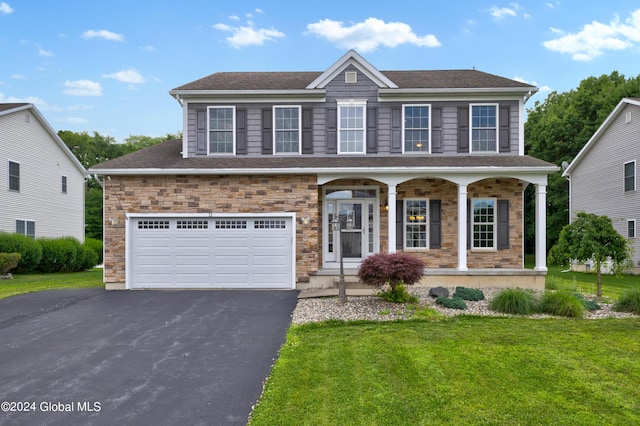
point(590, 236)
point(557, 129)
point(92, 149)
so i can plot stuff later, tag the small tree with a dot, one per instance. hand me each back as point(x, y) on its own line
point(391, 268)
point(590, 236)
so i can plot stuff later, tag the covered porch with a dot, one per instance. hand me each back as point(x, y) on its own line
point(454, 260)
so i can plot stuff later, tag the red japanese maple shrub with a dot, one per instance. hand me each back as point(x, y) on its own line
point(391, 268)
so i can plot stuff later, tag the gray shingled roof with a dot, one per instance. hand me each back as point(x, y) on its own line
point(435, 79)
point(5, 107)
point(167, 155)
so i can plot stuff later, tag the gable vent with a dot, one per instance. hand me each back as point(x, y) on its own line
point(628, 117)
point(350, 77)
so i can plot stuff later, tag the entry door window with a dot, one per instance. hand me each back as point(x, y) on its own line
point(351, 220)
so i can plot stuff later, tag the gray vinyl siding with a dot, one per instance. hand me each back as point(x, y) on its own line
point(597, 181)
point(42, 165)
point(363, 89)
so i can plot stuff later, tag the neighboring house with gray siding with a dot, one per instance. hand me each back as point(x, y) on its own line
point(426, 162)
point(603, 178)
point(41, 181)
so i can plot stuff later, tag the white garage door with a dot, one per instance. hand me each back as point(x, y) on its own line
point(211, 252)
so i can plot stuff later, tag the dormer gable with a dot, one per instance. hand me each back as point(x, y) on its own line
point(352, 58)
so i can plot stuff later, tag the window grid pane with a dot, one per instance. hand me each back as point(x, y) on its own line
point(351, 129)
point(483, 128)
point(629, 177)
point(483, 223)
point(287, 130)
point(416, 125)
point(221, 130)
point(64, 184)
point(416, 223)
point(14, 176)
point(631, 229)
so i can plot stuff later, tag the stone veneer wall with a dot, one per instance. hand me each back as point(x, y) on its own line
point(211, 194)
point(447, 192)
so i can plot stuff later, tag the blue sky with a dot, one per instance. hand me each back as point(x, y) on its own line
point(108, 66)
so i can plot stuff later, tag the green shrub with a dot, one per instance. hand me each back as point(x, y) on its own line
point(629, 301)
point(472, 294)
point(86, 259)
point(451, 303)
point(58, 254)
point(590, 305)
point(96, 246)
point(29, 249)
point(8, 261)
point(561, 303)
point(399, 294)
point(515, 301)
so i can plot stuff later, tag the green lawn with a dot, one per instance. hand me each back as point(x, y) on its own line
point(456, 371)
point(612, 285)
point(37, 282)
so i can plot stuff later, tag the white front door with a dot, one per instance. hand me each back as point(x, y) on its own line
point(359, 234)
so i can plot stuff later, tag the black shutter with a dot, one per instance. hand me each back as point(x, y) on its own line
point(241, 131)
point(463, 129)
point(332, 131)
point(435, 224)
point(503, 224)
point(201, 132)
point(469, 212)
point(399, 224)
point(504, 134)
point(436, 131)
point(267, 131)
point(396, 130)
point(372, 130)
point(307, 131)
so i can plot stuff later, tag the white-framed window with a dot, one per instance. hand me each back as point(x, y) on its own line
point(351, 127)
point(287, 128)
point(222, 129)
point(26, 227)
point(14, 176)
point(631, 228)
point(630, 176)
point(416, 223)
point(483, 223)
point(416, 121)
point(64, 184)
point(484, 127)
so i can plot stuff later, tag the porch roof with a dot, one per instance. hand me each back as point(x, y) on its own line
point(166, 158)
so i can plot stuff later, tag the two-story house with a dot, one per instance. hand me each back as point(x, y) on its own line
point(603, 178)
point(41, 181)
point(426, 162)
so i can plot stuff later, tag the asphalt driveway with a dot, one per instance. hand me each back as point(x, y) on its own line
point(94, 357)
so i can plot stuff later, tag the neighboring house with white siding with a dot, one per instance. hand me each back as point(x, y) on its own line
point(603, 178)
point(41, 181)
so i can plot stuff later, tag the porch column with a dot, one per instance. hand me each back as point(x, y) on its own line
point(462, 228)
point(391, 226)
point(541, 228)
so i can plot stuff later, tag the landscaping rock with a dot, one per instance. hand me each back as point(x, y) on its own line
point(436, 292)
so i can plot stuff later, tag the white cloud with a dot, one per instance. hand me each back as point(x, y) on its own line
point(370, 34)
point(248, 35)
point(82, 88)
point(103, 34)
point(595, 38)
point(502, 12)
point(234, 18)
point(18, 76)
point(74, 120)
point(5, 8)
point(148, 48)
point(45, 53)
point(533, 83)
point(126, 76)
point(259, 11)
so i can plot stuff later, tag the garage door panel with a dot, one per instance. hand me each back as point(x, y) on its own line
point(234, 252)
